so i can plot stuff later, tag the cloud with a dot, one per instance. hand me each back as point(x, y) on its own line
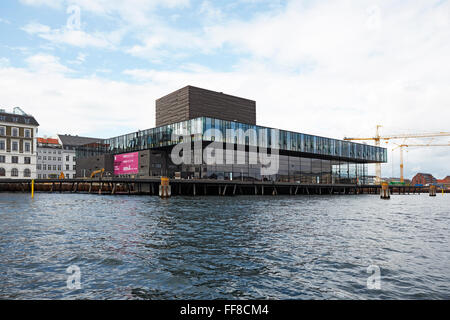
point(4, 62)
point(71, 37)
point(46, 64)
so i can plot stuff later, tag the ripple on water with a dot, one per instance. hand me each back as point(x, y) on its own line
point(306, 247)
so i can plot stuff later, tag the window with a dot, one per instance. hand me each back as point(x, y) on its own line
point(27, 146)
point(14, 172)
point(59, 167)
point(27, 173)
point(39, 176)
point(59, 158)
point(2, 159)
point(67, 158)
point(2, 145)
point(44, 176)
point(27, 160)
point(45, 157)
point(2, 172)
point(39, 166)
point(54, 167)
point(2, 131)
point(15, 146)
point(15, 132)
point(39, 158)
point(14, 159)
point(74, 159)
point(27, 133)
point(54, 158)
point(44, 167)
point(67, 167)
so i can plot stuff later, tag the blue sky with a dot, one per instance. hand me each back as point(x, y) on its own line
point(331, 68)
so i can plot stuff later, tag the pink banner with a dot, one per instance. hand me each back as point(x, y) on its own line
point(127, 163)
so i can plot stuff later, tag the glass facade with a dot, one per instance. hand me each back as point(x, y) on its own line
point(302, 158)
point(200, 129)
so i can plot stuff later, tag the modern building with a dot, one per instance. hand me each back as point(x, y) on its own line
point(423, 179)
point(49, 158)
point(17, 144)
point(69, 143)
point(216, 137)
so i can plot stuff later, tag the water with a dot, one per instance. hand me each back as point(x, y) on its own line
point(304, 247)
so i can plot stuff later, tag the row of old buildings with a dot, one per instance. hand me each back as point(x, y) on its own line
point(25, 155)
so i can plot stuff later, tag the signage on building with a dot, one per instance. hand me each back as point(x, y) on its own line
point(127, 163)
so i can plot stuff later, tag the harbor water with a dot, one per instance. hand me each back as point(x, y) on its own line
point(255, 247)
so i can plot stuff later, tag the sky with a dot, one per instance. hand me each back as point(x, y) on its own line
point(330, 68)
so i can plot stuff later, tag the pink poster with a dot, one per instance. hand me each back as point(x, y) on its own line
point(127, 163)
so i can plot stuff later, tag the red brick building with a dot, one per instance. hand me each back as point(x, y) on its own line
point(423, 178)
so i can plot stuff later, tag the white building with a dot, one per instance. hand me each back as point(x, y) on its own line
point(49, 158)
point(18, 145)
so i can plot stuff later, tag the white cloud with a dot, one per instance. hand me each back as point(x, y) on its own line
point(4, 62)
point(76, 38)
point(46, 64)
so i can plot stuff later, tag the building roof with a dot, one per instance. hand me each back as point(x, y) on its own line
point(48, 141)
point(69, 140)
point(25, 119)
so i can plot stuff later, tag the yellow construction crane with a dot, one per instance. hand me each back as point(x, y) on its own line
point(378, 139)
point(401, 146)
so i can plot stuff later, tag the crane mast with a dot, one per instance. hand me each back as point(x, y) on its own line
point(377, 139)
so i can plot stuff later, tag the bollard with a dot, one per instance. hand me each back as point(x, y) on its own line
point(164, 188)
point(432, 190)
point(385, 192)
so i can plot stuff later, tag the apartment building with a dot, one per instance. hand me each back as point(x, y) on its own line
point(49, 158)
point(17, 144)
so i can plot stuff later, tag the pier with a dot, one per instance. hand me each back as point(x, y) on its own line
point(203, 187)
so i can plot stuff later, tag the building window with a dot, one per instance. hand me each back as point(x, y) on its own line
point(27, 147)
point(59, 167)
point(15, 146)
point(15, 132)
point(14, 172)
point(2, 145)
point(59, 158)
point(54, 167)
point(44, 167)
point(2, 131)
point(2, 159)
point(27, 133)
point(44, 176)
point(2, 172)
point(27, 160)
point(39, 176)
point(67, 158)
point(14, 159)
point(39, 158)
point(45, 157)
point(27, 173)
point(39, 166)
point(74, 168)
point(67, 167)
point(74, 159)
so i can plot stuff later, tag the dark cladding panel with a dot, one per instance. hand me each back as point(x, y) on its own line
point(173, 107)
point(207, 103)
point(192, 102)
